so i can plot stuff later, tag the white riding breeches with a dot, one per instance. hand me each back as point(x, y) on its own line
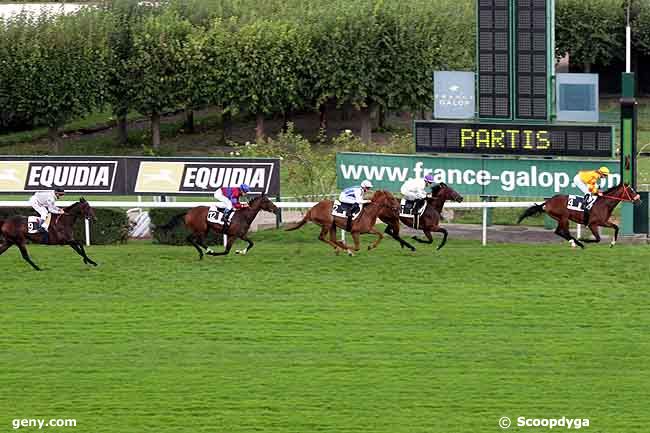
point(222, 201)
point(581, 185)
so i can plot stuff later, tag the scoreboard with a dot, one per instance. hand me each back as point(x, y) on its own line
point(513, 139)
point(494, 59)
point(514, 64)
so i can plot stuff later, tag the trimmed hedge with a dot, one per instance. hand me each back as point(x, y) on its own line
point(111, 225)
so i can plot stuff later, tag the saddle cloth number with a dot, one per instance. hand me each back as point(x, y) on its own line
point(576, 202)
point(33, 224)
point(407, 206)
point(215, 215)
point(341, 210)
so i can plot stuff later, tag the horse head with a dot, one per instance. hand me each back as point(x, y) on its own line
point(623, 192)
point(444, 192)
point(386, 200)
point(86, 210)
point(263, 202)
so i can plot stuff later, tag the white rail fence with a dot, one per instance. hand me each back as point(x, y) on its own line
point(282, 205)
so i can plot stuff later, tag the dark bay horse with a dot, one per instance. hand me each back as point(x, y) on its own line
point(196, 221)
point(61, 232)
point(556, 208)
point(429, 221)
point(382, 204)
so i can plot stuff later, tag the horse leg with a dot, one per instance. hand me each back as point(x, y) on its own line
point(25, 254)
point(190, 239)
point(594, 231)
point(611, 225)
point(444, 236)
point(422, 241)
point(87, 259)
point(231, 241)
point(200, 239)
point(75, 247)
point(245, 250)
point(4, 247)
point(356, 236)
point(375, 244)
point(562, 230)
point(402, 242)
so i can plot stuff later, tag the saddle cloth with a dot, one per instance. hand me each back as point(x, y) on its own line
point(407, 206)
point(215, 215)
point(341, 209)
point(576, 202)
point(34, 224)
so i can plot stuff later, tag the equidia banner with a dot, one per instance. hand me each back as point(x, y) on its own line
point(485, 176)
point(142, 176)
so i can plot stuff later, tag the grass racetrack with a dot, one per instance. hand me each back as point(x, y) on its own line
point(292, 338)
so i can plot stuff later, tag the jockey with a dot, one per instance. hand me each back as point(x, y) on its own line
point(416, 190)
point(354, 194)
point(587, 182)
point(44, 202)
point(228, 198)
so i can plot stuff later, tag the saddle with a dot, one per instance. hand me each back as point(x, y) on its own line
point(407, 208)
point(34, 225)
point(350, 211)
point(215, 215)
point(576, 202)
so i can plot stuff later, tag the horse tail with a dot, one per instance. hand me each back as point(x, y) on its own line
point(302, 222)
point(531, 211)
point(176, 220)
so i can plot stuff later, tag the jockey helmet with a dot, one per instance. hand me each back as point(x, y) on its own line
point(604, 170)
point(428, 178)
point(244, 187)
point(366, 184)
point(59, 191)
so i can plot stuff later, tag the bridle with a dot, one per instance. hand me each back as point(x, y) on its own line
point(626, 191)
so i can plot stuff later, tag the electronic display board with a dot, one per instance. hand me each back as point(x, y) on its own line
point(513, 139)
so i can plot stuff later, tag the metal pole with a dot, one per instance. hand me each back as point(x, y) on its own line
point(87, 227)
point(628, 42)
point(485, 214)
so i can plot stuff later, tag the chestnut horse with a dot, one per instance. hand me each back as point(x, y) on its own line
point(60, 232)
point(196, 221)
point(382, 204)
point(556, 208)
point(430, 219)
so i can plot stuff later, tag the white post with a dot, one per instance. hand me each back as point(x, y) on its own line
point(342, 235)
point(87, 226)
point(225, 240)
point(579, 231)
point(485, 213)
point(628, 49)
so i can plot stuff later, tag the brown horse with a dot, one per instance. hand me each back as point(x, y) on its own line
point(430, 220)
point(556, 208)
point(382, 204)
point(196, 221)
point(60, 232)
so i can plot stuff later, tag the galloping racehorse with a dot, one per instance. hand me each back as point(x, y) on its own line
point(61, 232)
point(430, 219)
point(196, 220)
point(382, 203)
point(556, 208)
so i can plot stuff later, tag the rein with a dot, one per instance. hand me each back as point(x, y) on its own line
point(627, 197)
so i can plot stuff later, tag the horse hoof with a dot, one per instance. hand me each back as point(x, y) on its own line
point(350, 253)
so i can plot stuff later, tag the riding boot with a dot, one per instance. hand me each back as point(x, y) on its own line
point(226, 224)
point(587, 201)
point(348, 225)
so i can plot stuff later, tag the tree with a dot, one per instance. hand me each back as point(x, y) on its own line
point(156, 66)
point(591, 31)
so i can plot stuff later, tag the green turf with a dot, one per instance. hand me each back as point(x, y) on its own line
point(292, 338)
